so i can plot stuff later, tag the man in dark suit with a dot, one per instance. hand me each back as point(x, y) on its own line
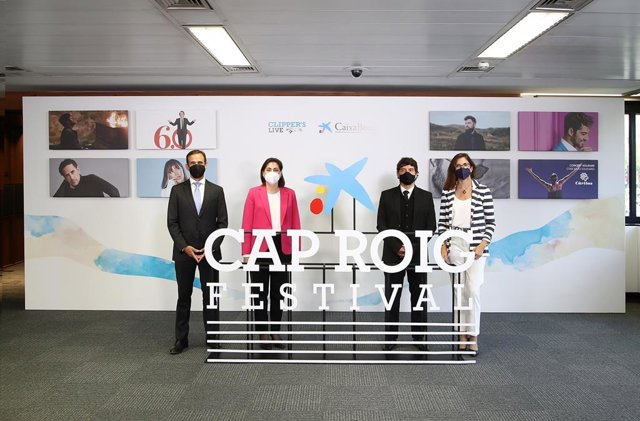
point(197, 208)
point(181, 124)
point(405, 208)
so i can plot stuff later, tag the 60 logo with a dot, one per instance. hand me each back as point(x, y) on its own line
point(165, 139)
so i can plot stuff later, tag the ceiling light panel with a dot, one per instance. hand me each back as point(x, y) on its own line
point(522, 33)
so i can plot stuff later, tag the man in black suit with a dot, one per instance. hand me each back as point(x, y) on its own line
point(197, 208)
point(181, 124)
point(405, 208)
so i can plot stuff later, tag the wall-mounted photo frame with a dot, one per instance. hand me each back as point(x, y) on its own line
point(557, 179)
point(573, 131)
point(176, 129)
point(76, 130)
point(88, 177)
point(469, 130)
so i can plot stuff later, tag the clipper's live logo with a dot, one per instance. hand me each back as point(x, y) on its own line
point(286, 127)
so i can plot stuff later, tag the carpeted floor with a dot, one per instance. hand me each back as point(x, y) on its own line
point(68, 365)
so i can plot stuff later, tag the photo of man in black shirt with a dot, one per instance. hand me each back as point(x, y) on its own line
point(77, 185)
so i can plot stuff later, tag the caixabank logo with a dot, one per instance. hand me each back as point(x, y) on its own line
point(286, 127)
point(342, 127)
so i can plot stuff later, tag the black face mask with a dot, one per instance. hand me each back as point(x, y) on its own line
point(407, 179)
point(196, 170)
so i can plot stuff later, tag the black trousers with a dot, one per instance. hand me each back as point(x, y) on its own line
point(185, 273)
point(182, 139)
point(271, 283)
point(393, 315)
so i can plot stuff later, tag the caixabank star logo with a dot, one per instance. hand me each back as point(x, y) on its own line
point(336, 181)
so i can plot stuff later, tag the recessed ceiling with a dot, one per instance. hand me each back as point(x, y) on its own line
point(310, 44)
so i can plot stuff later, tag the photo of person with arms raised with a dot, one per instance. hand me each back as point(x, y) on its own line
point(467, 205)
point(270, 205)
point(182, 124)
point(553, 186)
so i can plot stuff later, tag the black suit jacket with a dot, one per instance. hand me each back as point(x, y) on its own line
point(186, 227)
point(390, 217)
point(181, 129)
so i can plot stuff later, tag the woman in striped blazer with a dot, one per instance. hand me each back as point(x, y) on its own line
point(467, 205)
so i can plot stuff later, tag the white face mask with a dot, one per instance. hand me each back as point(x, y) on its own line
point(272, 177)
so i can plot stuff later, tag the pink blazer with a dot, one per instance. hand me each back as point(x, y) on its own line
point(258, 216)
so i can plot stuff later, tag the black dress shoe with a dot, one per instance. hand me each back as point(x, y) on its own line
point(278, 345)
point(474, 353)
point(389, 347)
point(178, 347)
point(265, 345)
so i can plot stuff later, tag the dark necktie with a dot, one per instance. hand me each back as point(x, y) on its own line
point(406, 195)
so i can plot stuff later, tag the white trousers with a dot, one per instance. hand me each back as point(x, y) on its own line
point(471, 279)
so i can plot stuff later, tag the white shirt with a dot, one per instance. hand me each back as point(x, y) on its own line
point(568, 145)
point(410, 190)
point(461, 213)
point(274, 209)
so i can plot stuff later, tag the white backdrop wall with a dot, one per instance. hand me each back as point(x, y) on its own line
point(95, 253)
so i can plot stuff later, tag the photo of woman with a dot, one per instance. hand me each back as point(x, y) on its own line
point(173, 174)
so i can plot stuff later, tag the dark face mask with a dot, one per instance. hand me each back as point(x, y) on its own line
point(407, 178)
point(197, 170)
point(463, 173)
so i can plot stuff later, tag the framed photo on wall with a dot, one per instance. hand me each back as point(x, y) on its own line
point(469, 130)
point(557, 179)
point(176, 128)
point(89, 177)
point(574, 131)
point(73, 130)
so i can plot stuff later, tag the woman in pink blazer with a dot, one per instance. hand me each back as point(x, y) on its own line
point(270, 205)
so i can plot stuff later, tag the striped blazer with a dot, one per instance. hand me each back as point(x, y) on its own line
point(483, 221)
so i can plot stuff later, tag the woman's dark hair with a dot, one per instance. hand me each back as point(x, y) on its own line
point(172, 163)
point(450, 182)
point(267, 162)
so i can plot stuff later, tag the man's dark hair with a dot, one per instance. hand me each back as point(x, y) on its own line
point(64, 119)
point(575, 121)
point(470, 117)
point(66, 162)
point(195, 151)
point(406, 161)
